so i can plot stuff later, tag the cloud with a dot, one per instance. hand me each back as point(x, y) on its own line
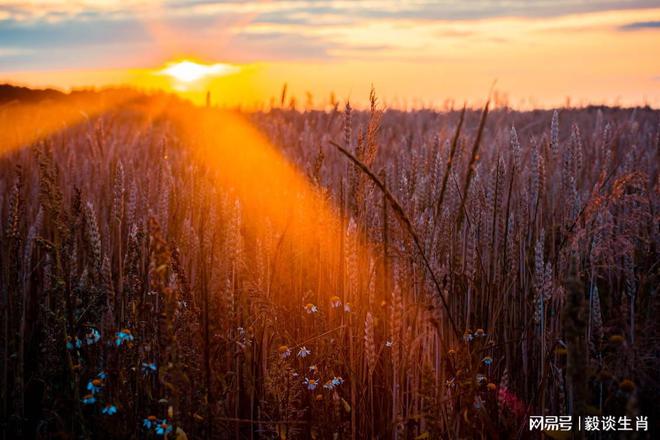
point(282, 11)
point(640, 25)
point(83, 33)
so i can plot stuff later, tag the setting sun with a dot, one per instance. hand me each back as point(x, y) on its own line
point(189, 71)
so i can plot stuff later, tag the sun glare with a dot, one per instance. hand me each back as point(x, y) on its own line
point(189, 71)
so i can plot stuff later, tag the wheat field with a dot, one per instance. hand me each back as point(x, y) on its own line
point(177, 271)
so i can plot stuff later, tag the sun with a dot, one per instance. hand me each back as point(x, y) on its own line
point(189, 71)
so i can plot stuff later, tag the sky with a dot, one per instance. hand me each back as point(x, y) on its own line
point(415, 53)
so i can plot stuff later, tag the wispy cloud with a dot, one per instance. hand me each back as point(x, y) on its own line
point(639, 25)
point(103, 33)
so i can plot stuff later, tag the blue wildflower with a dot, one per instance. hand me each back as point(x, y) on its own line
point(488, 361)
point(92, 336)
point(163, 428)
point(149, 422)
point(149, 367)
point(94, 386)
point(337, 380)
point(89, 399)
point(123, 336)
point(109, 409)
point(73, 342)
point(102, 375)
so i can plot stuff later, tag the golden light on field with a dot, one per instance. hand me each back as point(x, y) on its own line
point(189, 71)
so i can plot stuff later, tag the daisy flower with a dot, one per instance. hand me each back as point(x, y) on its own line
point(284, 351)
point(88, 399)
point(310, 384)
point(311, 308)
point(335, 302)
point(304, 352)
point(348, 307)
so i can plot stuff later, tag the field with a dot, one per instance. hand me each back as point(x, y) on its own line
point(171, 271)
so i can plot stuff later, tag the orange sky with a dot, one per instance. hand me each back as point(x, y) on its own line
point(417, 55)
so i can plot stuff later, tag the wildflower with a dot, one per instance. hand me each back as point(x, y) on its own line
point(311, 308)
point(335, 302)
point(491, 386)
point(319, 397)
point(451, 352)
point(148, 367)
point(467, 336)
point(313, 369)
point(88, 399)
point(163, 428)
point(480, 333)
point(487, 360)
point(241, 331)
point(94, 386)
point(328, 385)
point(109, 409)
point(388, 343)
point(102, 375)
point(480, 378)
point(310, 384)
point(348, 307)
point(284, 351)
point(149, 422)
point(450, 382)
point(123, 336)
point(73, 342)
point(304, 352)
point(337, 380)
point(478, 403)
point(92, 336)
